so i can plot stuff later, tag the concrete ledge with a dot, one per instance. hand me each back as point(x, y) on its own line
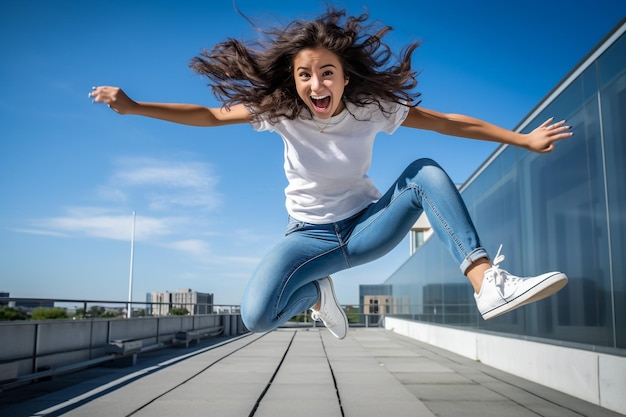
point(124, 347)
point(126, 352)
point(594, 377)
point(188, 336)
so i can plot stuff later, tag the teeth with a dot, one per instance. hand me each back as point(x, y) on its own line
point(319, 97)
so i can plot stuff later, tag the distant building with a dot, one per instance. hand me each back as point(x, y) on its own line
point(160, 303)
point(374, 301)
point(195, 302)
point(23, 304)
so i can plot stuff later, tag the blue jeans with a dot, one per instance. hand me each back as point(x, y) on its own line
point(283, 284)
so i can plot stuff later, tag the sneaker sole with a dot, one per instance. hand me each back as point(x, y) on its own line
point(345, 318)
point(544, 289)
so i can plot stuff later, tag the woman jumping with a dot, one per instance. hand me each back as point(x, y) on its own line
point(327, 87)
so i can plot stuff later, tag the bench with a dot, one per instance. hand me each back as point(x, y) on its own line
point(125, 350)
point(185, 337)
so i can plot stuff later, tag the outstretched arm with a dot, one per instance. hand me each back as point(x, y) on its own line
point(539, 140)
point(187, 114)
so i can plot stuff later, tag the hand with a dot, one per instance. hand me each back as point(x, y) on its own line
point(114, 97)
point(542, 138)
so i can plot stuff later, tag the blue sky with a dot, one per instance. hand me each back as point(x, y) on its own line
point(210, 202)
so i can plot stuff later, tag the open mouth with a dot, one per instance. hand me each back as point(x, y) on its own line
point(321, 103)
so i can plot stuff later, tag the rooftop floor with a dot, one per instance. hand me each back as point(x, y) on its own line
point(296, 372)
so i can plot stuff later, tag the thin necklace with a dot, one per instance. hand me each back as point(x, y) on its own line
point(330, 119)
point(322, 128)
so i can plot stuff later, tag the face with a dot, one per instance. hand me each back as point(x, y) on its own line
point(320, 81)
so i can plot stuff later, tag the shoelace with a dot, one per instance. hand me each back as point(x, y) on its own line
point(500, 276)
point(316, 315)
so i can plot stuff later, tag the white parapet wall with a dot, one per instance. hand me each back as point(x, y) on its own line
point(594, 377)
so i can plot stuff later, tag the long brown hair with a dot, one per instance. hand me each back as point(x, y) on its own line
point(260, 74)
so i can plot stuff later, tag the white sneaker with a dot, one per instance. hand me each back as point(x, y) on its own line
point(330, 312)
point(502, 292)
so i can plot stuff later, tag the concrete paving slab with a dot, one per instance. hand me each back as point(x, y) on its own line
point(414, 365)
point(454, 392)
point(195, 408)
point(479, 408)
point(365, 385)
point(310, 407)
point(425, 377)
point(301, 373)
point(305, 377)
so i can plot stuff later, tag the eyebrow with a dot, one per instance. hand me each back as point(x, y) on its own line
point(322, 67)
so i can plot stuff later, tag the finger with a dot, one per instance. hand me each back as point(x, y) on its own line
point(99, 95)
point(560, 132)
point(94, 92)
point(562, 136)
point(547, 122)
point(557, 124)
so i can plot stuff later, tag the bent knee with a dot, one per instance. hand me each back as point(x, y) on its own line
point(256, 322)
point(423, 163)
point(426, 169)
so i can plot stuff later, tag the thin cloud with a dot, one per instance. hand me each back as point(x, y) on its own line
point(167, 173)
point(163, 184)
point(202, 199)
point(39, 232)
point(192, 246)
point(242, 260)
point(110, 194)
point(102, 223)
point(171, 198)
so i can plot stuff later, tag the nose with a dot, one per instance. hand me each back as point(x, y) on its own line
point(315, 83)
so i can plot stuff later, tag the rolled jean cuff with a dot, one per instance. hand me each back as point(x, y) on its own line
point(472, 257)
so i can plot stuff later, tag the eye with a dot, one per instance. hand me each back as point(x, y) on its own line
point(327, 73)
point(304, 75)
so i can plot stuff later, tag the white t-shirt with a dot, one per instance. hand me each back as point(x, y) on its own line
point(327, 172)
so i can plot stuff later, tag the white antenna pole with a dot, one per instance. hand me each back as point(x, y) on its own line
point(129, 309)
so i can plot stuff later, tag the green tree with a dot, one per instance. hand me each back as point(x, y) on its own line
point(353, 314)
point(179, 311)
point(10, 314)
point(48, 313)
point(95, 311)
